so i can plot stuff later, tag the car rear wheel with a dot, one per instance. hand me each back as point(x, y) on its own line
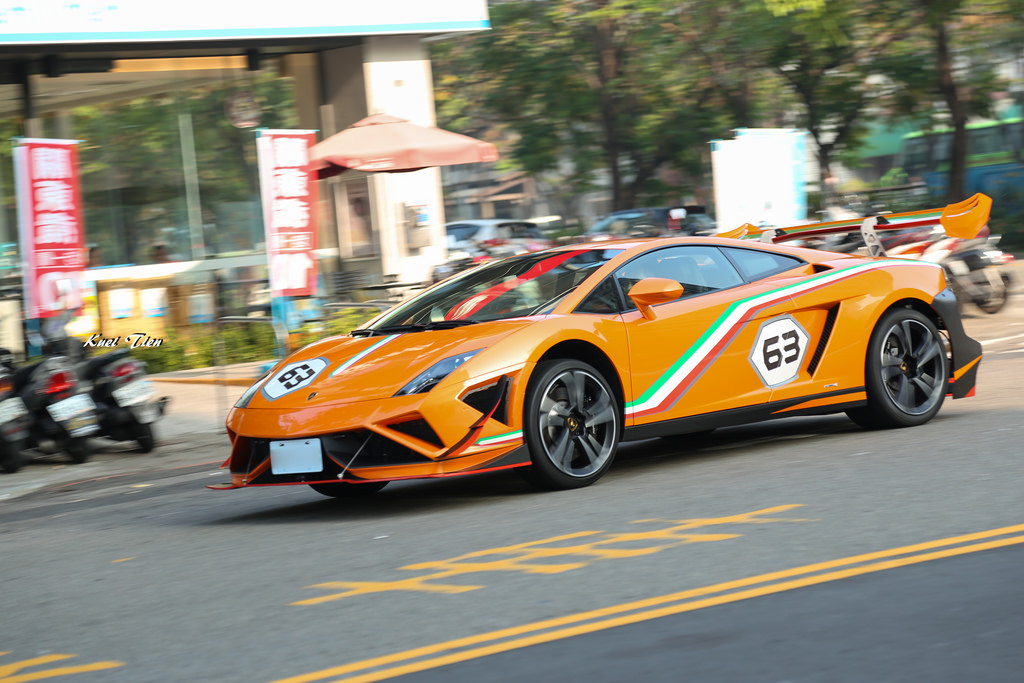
point(572, 425)
point(906, 373)
point(344, 489)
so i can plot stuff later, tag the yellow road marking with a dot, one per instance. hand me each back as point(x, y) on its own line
point(9, 673)
point(652, 608)
point(576, 550)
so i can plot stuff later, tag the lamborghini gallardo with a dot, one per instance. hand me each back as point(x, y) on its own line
point(546, 362)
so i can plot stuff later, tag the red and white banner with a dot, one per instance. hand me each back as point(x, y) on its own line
point(289, 209)
point(50, 225)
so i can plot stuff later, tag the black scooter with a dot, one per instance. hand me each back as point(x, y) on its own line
point(14, 418)
point(125, 399)
point(61, 416)
point(973, 270)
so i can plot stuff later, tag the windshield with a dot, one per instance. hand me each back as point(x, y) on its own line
point(531, 284)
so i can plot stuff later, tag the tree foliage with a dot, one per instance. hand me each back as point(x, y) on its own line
point(582, 86)
point(942, 69)
point(633, 88)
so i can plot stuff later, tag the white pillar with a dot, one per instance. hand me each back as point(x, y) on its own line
point(398, 82)
point(388, 74)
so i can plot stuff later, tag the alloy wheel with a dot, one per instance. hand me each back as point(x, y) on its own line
point(577, 421)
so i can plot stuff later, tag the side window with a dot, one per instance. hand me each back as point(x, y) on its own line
point(698, 269)
point(604, 299)
point(754, 264)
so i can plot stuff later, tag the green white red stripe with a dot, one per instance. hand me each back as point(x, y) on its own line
point(501, 439)
point(672, 385)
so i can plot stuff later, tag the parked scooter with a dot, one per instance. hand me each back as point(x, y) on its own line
point(125, 399)
point(973, 269)
point(61, 415)
point(14, 418)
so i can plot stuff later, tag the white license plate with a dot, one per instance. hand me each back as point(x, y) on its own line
point(296, 456)
point(62, 411)
point(133, 392)
point(12, 409)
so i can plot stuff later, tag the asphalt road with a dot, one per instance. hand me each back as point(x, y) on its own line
point(802, 550)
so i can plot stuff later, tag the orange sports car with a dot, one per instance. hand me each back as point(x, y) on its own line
point(545, 362)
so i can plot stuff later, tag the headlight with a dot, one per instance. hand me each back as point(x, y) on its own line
point(429, 378)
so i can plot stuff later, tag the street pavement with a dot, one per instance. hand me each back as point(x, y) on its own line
point(190, 434)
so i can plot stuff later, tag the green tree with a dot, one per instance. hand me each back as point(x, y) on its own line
point(582, 86)
point(942, 69)
point(820, 52)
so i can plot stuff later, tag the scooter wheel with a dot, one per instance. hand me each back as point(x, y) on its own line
point(79, 449)
point(12, 462)
point(145, 437)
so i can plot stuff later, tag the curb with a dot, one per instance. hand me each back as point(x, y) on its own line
point(224, 381)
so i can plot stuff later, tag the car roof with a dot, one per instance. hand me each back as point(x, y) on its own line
point(485, 222)
point(637, 245)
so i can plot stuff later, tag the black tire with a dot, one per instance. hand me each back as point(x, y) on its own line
point(12, 459)
point(79, 448)
point(145, 438)
point(906, 372)
point(994, 287)
point(572, 422)
point(344, 489)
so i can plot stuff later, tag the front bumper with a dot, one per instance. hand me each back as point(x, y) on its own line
point(457, 430)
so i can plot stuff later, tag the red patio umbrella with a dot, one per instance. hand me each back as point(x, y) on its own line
point(387, 143)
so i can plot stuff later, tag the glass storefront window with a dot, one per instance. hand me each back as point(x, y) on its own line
point(173, 176)
point(169, 177)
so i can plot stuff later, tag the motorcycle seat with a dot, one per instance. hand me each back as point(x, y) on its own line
point(92, 366)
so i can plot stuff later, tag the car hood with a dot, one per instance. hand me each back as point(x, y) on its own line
point(371, 368)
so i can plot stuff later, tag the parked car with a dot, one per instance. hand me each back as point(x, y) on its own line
point(475, 241)
point(497, 237)
point(661, 221)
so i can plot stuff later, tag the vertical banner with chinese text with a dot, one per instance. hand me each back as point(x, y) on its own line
point(50, 225)
point(289, 210)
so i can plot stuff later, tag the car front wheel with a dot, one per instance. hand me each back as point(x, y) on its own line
point(572, 425)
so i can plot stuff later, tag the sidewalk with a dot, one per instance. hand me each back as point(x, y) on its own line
point(237, 375)
point(190, 434)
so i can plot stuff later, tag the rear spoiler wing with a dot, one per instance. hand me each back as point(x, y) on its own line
point(963, 219)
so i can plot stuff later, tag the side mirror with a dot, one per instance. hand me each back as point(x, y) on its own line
point(652, 291)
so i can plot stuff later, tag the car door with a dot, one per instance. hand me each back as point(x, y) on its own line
point(793, 349)
point(696, 355)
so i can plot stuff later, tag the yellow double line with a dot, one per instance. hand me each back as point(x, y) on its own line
point(472, 647)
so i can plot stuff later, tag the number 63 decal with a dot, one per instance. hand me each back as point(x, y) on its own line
point(293, 376)
point(779, 350)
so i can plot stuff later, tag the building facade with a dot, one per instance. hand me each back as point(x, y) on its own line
point(166, 101)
